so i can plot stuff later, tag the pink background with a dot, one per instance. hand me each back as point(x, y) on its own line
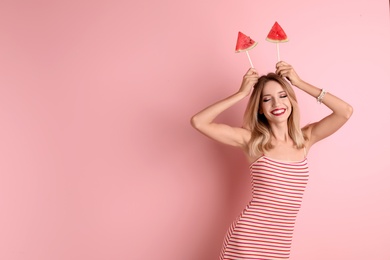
point(97, 156)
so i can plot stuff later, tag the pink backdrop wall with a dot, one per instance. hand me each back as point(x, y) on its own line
point(97, 156)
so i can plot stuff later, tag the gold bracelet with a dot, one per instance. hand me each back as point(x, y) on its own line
point(321, 96)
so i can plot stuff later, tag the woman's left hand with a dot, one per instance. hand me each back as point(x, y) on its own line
point(286, 70)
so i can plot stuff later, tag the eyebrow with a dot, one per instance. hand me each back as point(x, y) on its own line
point(280, 92)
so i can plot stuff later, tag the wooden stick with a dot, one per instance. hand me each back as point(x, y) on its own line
point(249, 58)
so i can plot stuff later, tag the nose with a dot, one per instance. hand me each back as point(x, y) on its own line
point(275, 102)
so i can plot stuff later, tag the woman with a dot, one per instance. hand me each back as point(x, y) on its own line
point(276, 148)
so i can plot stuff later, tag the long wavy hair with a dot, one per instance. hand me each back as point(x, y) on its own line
point(258, 124)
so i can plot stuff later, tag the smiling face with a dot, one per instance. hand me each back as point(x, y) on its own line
point(275, 103)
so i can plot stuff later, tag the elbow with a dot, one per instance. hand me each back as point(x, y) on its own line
point(194, 122)
point(348, 111)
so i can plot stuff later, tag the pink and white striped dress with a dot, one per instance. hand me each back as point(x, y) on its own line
point(264, 230)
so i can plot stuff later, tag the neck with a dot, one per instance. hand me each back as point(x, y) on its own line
point(280, 133)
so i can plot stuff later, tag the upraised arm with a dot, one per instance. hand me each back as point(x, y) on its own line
point(341, 110)
point(203, 121)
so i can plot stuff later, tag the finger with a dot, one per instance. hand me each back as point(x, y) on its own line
point(250, 71)
point(251, 74)
point(284, 72)
point(280, 70)
point(285, 68)
point(281, 63)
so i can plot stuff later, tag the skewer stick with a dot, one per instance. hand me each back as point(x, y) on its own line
point(277, 48)
point(249, 58)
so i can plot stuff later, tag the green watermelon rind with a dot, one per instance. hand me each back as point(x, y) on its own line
point(276, 41)
point(248, 48)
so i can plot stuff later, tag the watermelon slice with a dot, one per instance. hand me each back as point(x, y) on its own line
point(244, 43)
point(277, 34)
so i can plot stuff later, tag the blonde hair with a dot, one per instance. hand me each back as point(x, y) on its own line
point(258, 124)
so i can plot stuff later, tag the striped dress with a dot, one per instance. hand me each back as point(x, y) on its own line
point(264, 230)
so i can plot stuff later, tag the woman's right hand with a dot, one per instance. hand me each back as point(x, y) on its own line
point(249, 80)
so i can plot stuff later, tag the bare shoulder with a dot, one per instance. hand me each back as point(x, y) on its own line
point(246, 135)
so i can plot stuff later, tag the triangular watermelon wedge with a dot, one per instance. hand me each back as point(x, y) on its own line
point(244, 43)
point(277, 34)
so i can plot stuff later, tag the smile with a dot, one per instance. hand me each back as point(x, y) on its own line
point(278, 112)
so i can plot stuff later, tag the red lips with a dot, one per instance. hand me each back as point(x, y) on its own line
point(278, 111)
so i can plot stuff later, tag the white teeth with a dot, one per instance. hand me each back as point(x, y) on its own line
point(278, 112)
